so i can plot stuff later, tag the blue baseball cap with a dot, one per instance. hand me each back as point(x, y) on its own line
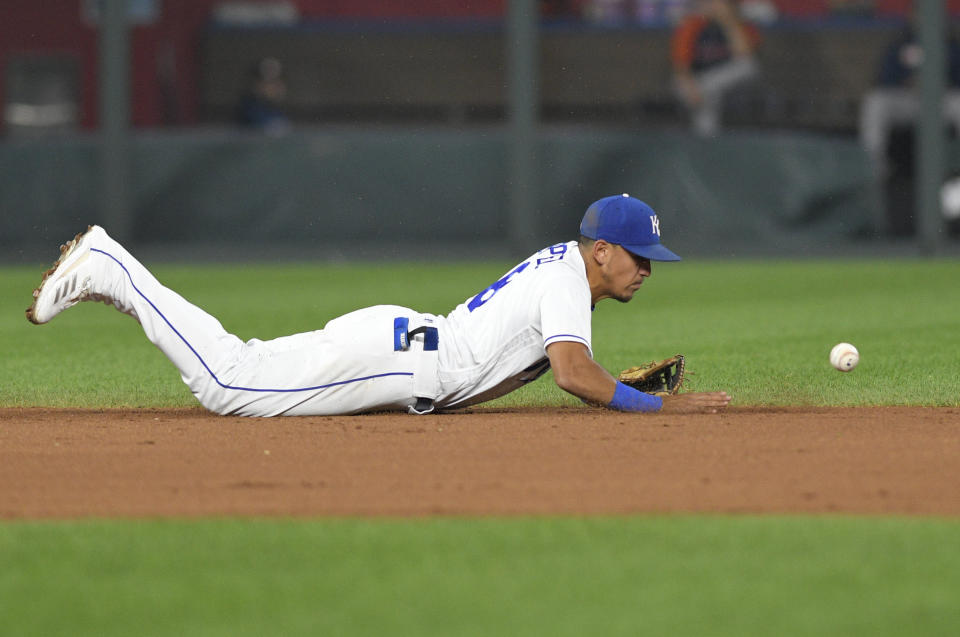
point(629, 223)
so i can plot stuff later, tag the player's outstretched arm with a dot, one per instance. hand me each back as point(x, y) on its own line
point(577, 373)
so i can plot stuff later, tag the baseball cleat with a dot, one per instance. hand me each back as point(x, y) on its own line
point(67, 282)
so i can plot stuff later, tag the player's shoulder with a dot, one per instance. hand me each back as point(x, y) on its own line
point(556, 252)
point(560, 261)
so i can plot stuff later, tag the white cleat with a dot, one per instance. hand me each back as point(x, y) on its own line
point(68, 281)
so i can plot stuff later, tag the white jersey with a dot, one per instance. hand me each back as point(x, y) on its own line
point(496, 341)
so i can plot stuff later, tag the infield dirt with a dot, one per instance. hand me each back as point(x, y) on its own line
point(188, 463)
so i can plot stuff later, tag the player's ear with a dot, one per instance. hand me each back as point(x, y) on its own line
point(602, 251)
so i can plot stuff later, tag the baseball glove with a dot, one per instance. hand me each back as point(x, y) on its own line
point(660, 378)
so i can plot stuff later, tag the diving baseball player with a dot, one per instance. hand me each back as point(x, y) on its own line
point(535, 317)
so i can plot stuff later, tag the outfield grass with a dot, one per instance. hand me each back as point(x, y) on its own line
point(699, 575)
point(760, 330)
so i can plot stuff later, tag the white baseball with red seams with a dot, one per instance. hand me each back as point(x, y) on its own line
point(844, 357)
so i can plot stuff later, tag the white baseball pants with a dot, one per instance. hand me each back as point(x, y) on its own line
point(349, 366)
point(714, 84)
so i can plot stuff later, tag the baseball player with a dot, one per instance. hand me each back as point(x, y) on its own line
point(535, 317)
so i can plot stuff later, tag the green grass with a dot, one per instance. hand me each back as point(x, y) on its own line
point(760, 330)
point(703, 575)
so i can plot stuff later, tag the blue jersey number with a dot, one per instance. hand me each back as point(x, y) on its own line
point(551, 254)
point(487, 294)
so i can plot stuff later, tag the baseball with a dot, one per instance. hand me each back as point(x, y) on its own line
point(844, 356)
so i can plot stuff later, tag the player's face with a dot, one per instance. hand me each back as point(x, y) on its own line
point(624, 274)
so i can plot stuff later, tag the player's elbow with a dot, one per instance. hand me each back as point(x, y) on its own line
point(564, 380)
point(571, 380)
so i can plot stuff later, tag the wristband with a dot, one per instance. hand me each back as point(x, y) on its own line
point(626, 398)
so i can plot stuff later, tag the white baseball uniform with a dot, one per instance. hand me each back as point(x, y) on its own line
point(496, 341)
point(379, 358)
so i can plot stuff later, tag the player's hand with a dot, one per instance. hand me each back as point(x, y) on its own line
point(695, 402)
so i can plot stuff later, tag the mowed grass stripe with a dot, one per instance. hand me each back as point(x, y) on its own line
point(686, 575)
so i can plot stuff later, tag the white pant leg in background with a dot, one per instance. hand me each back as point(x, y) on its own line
point(714, 84)
point(884, 108)
point(348, 367)
point(951, 109)
point(880, 111)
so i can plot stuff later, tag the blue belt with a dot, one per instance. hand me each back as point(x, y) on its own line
point(402, 335)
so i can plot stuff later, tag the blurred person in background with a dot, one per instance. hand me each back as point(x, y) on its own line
point(261, 105)
point(895, 100)
point(712, 50)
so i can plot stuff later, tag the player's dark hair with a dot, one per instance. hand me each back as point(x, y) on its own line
point(586, 242)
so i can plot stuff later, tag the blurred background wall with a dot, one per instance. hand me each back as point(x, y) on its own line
point(393, 129)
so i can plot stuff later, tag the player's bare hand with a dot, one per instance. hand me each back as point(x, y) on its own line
point(695, 402)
